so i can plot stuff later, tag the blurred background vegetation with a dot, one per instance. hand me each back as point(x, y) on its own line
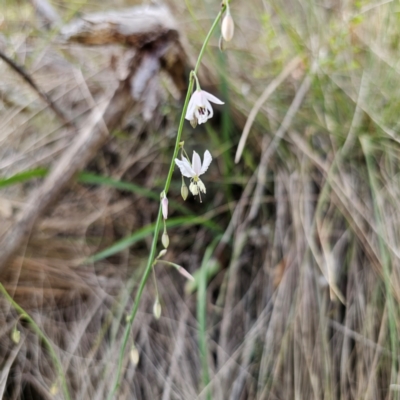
point(295, 248)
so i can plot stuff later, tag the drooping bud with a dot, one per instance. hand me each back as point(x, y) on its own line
point(184, 191)
point(228, 27)
point(164, 207)
point(134, 355)
point(54, 389)
point(15, 335)
point(186, 274)
point(165, 239)
point(157, 309)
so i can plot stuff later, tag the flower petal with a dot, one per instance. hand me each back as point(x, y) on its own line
point(194, 189)
point(210, 109)
point(190, 110)
point(196, 163)
point(185, 167)
point(199, 98)
point(201, 186)
point(212, 98)
point(206, 162)
point(201, 115)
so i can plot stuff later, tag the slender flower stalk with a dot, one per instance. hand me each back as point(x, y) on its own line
point(157, 228)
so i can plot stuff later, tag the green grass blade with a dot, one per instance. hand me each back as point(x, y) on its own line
point(147, 231)
point(23, 177)
point(93, 179)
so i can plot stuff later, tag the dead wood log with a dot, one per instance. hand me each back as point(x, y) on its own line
point(161, 49)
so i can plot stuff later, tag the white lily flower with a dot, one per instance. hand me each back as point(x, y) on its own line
point(194, 171)
point(199, 109)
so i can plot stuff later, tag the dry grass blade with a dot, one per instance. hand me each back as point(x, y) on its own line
point(269, 148)
point(269, 90)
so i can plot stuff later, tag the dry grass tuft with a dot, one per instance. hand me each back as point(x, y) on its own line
point(303, 298)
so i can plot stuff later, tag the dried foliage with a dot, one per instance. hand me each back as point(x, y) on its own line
point(303, 276)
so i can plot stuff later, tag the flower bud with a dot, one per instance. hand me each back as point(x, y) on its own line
point(162, 253)
point(54, 389)
point(15, 335)
point(157, 309)
point(165, 239)
point(184, 191)
point(164, 207)
point(228, 27)
point(134, 355)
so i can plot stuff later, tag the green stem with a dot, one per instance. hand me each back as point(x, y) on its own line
point(207, 39)
point(46, 341)
point(159, 217)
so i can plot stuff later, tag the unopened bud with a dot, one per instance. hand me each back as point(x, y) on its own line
point(162, 253)
point(184, 191)
point(164, 207)
point(228, 27)
point(15, 335)
point(165, 239)
point(134, 355)
point(157, 309)
point(54, 389)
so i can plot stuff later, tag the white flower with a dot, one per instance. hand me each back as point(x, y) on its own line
point(195, 170)
point(199, 109)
